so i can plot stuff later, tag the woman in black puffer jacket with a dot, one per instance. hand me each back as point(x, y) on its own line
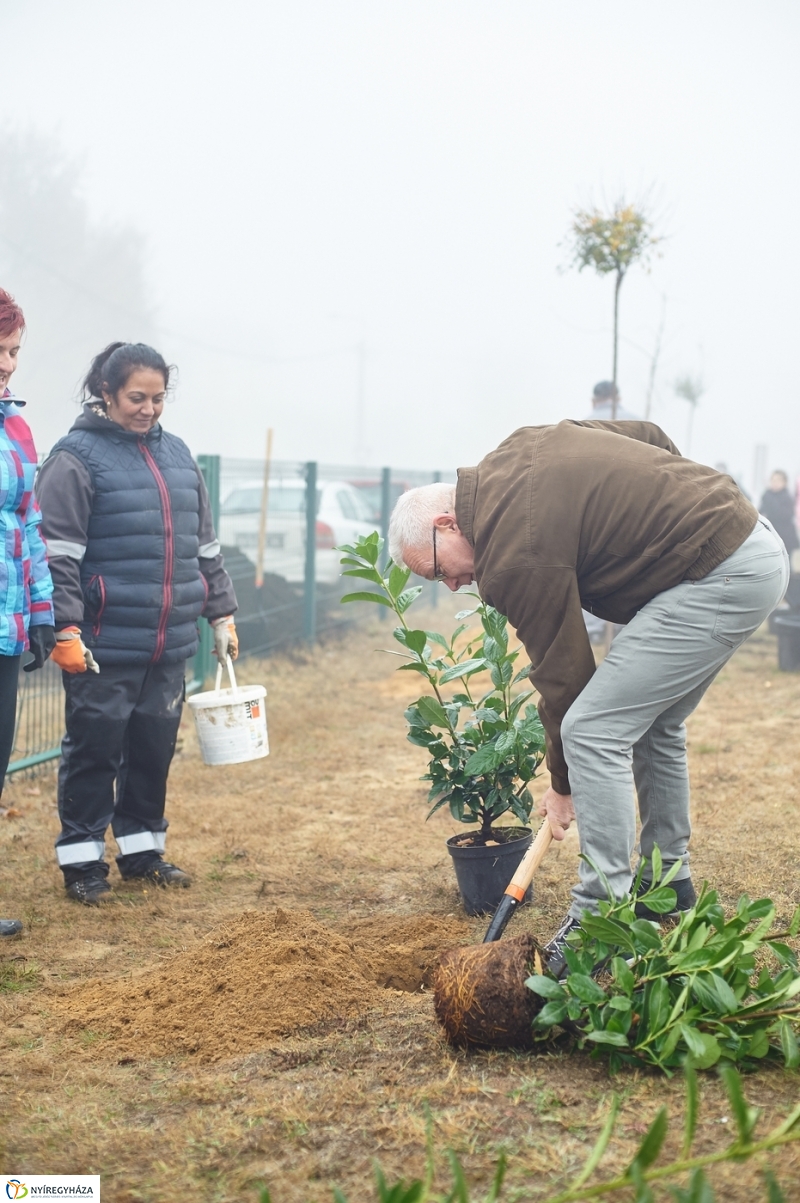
point(135, 562)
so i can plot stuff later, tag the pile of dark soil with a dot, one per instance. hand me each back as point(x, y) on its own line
point(254, 980)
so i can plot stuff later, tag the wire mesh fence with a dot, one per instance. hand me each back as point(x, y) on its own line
point(279, 524)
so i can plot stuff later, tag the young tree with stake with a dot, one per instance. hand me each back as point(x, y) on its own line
point(611, 243)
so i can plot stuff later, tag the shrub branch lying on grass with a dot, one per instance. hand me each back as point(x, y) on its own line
point(642, 1170)
point(480, 769)
point(702, 988)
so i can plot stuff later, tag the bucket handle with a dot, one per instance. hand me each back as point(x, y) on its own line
point(231, 677)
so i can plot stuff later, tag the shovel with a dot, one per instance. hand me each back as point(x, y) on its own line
point(479, 996)
point(516, 888)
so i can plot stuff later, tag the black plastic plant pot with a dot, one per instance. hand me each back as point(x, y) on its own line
point(484, 872)
point(787, 628)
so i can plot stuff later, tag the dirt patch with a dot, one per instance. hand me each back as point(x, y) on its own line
point(253, 980)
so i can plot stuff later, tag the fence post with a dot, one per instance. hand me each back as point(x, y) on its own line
point(202, 664)
point(437, 476)
point(386, 506)
point(310, 585)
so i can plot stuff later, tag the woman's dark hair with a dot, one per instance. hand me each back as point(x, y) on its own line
point(112, 368)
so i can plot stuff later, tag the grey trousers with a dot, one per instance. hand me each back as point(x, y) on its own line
point(627, 726)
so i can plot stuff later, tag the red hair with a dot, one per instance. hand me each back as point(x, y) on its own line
point(11, 316)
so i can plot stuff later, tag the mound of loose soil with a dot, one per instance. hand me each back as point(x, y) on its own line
point(254, 980)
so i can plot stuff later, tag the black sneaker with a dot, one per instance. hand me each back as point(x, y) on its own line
point(90, 887)
point(10, 927)
point(161, 873)
point(686, 899)
point(556, 961)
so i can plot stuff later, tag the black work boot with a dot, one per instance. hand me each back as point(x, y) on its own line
point(10, 927)
point(88, 885)
point(160, 873)
point(556, 961)
point(686, 899)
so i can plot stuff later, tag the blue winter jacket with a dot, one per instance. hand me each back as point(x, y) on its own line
point(26, 590)
point(123, 510)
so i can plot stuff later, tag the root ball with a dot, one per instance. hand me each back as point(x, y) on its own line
point(480, 994)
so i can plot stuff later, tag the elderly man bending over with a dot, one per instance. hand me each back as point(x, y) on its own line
point(607, 516)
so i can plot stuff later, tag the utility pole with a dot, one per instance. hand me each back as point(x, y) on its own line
point(361, 388)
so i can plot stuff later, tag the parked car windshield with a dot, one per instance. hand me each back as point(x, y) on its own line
point(283, 499)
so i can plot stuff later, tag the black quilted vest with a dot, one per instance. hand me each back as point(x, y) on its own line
point(142, 585)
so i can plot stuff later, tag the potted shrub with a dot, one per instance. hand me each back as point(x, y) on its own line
point(483, 749)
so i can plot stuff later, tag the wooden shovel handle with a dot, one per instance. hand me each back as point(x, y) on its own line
point(530, 862)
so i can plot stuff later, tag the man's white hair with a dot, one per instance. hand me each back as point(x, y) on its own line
point(411, 523)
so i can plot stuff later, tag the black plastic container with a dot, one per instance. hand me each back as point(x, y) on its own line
point(787, 628)
point(483, 873)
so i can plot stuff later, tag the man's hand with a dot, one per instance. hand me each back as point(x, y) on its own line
point(557, 809)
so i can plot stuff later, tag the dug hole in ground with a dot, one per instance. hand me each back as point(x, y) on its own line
point(272, 1023)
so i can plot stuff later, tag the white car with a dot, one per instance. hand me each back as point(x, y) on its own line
point(342, 515)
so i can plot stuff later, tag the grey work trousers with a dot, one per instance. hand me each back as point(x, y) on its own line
point(628, 723)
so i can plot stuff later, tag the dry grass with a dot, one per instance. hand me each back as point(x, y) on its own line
point(333, 821)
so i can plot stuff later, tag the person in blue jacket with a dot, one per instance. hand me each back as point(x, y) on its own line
point(26, 590)
point(135, 563)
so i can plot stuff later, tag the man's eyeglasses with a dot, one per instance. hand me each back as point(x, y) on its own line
point(438, 575)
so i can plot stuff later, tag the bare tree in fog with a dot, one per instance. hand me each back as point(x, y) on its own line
point(689, 389)
point(80, 283)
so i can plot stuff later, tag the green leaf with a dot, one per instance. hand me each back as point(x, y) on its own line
point(622, 974)
point(607, 930)
point(661, 900)
point(581, 986)
point(550, 1014)
point(432, 712)
point(435, 637)
point(546, 987)
point(699, 1190)
point(711, 1052)
point(483, 761)
point(794, 926)
point(367, 574)
point(693, 1039)
point(523, 674)
point(368, 597)
point(616, 1038)
point(656, 865)
point(746, 1117)
point(645, 934)
point(415, 641)
point(658, 1005)
point(692, 1109)
point(407, 597)
point(774, 1192)
point(650, 1147)
point(397, 580)
point(791, 1054)
point(466, 668)
point(600, 1147)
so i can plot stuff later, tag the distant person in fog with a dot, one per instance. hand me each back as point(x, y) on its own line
point(603, 404)
point(26, 612)
point(777, 504)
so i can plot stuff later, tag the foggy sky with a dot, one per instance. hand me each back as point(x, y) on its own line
point(313, 176)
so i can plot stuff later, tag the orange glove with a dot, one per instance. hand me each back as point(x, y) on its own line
point(226, 641)
point(71, 654)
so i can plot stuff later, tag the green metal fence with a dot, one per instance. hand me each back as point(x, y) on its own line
point(307, 605)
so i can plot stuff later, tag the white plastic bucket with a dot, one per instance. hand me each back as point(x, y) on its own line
point(231, 723)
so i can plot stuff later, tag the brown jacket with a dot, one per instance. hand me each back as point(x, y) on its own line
point(599, 515)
